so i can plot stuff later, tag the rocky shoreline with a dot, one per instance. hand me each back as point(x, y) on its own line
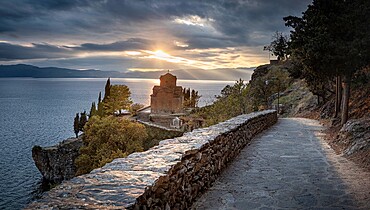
point(56, 163)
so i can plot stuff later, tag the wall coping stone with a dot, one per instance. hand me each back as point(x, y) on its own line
point(128, 182)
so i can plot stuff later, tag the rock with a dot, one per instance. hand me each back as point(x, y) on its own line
point(355, 136)
point(56, 163)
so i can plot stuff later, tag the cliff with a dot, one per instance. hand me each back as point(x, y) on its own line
point(56, 163)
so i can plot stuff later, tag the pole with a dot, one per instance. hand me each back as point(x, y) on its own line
point(278, 105)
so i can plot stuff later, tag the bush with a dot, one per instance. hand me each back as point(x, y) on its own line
point(232, 102)
point(108, 138)
point(134, 107)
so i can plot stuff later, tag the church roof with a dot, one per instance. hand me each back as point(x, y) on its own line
point(167, 75)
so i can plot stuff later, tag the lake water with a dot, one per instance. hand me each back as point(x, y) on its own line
point(41, 112)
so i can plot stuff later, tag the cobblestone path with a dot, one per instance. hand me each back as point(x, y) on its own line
point(289, 167)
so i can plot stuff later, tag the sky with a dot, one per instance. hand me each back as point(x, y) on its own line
point(141, 35)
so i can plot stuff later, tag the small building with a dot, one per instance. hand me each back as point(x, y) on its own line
point(274, 62)
point(167, 98)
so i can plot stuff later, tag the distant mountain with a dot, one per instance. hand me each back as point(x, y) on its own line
point(212, 74)
point(23, 70)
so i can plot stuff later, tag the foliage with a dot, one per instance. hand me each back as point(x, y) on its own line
point(83, 121)
point(76, 124)
point(331, 39)
point(107, 89)
point(279, 46)
point(93, 110)
point(230, 103)
point(361, 79)
point(263, 87)
point(108, 138)
point(118, 99)
point(191, 98)
point(100, 108)
point(99, 97)
point(134, 107)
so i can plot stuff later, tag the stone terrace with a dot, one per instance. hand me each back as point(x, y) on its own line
point(171, 175)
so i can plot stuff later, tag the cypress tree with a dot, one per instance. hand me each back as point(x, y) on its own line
point(100, 111)
point(76, 125)
point(83, 120)
point(107, 90)
point(100, 107)
point(99, 98)
point(93, 110)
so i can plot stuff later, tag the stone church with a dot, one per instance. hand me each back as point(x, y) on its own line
point(167, 98)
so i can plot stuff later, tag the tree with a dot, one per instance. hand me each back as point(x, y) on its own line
point(279, 46)
point(331, 40)
point(118, 99)
point(194, 98)
point(99, 98)
point(191, 98)
point(76, 125)
point(108, 138)
point(134, 107)
point(83, 121)
point(107, 90)
point(93, 110)
point(233, 101)
point(187, 96)
point(100, 108)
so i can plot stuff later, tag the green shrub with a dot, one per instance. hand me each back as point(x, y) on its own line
point(108, 138)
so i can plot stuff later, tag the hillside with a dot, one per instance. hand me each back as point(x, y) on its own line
point(23, 70)
point(352, 140)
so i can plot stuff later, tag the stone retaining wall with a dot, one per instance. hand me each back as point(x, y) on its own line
point(169, 176)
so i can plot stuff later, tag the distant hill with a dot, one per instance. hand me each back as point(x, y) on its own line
point(23, 70)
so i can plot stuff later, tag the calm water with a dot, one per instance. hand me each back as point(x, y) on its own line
point(41, 111)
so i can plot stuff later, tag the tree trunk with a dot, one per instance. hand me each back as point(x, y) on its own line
point(346, 95)
point(338, 95)
point(340, 89)
point(318, 100)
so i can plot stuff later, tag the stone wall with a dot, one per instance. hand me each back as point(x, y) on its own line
point(56, 163)
point(157, 133)
point(169, 176)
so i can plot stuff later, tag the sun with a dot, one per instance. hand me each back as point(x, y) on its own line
point(161, 54)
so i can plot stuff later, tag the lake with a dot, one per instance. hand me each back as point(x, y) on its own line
point(41, 112)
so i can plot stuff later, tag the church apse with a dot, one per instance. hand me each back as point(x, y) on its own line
point(167, 98)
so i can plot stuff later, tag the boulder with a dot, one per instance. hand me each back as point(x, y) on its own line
point(56, 163)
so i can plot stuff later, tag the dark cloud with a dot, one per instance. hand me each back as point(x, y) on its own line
point(130, 44)
point(118, 25)
point(36, 51)
point(209, 42)
point(237, 19)
point(58, 5)
point(111, 63)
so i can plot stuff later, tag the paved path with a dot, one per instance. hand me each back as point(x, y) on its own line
point(289, 167)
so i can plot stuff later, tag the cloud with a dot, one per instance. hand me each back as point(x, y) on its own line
point(130, 44)
point(72, 28)
point(232, 19)
point(35, 51)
